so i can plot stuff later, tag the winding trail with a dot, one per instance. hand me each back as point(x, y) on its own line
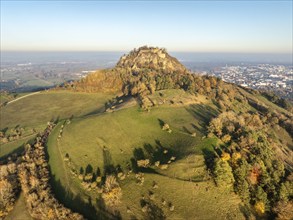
point(34, 93)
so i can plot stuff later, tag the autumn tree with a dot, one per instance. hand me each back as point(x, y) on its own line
point(223, 173)
point(111, 192)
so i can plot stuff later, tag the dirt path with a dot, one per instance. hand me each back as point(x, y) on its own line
point(34, 93)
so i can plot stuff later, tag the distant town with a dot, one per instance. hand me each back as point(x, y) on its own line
point(276, 78)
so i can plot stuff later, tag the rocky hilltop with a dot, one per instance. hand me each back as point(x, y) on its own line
point(161, 70)
point(150, 58)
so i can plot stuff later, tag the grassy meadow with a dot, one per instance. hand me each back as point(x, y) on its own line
point(45, 106)
point(113, 139)
point(19, 211)
point(33, 112)
point(14, 146)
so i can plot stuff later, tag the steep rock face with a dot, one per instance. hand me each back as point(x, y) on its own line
point(150, 58)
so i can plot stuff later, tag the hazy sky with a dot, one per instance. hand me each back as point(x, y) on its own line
point(199, 26)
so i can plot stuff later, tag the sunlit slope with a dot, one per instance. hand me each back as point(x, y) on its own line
point(29, 114)
point(45, 106)
point(114, 139)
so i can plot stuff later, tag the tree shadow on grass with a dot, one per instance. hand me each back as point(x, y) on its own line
point(202, 113)
point(96, 111)
point(16, 152)
point(209, 158)
point(69, 200)
point(157, 153)
point(199, 128)
point(12, 155)
point(77, 204)
point(89, 169)
point(153, 212)
point(4, 130)
point(138, 154)
point(109, 167)
point(246, 211)
point(186, 130)
point(161, 122)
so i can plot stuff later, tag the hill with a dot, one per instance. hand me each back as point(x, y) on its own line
point(115, 149)
point(150, 140)
point(153, 58)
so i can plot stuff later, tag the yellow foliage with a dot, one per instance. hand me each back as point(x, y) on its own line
point(50, 214)
point(9, 208)
point(112, 198)
point(113, 193)
point(225, 156)
point(226, 138)
point(143, 163)
point(2, 213)
point(259, 208)
point(236, 156)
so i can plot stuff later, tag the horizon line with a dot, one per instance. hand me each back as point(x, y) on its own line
point(176, 51)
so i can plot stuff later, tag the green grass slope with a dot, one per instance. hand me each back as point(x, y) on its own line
point(14, 146)
point(34, 111)
point(19, 211)
point(45, 106)
point(112, 139)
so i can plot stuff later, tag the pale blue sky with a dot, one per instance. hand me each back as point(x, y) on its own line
point(199, 26)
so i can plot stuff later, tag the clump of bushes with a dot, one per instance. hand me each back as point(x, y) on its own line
point(167, 128)
point(9, 188)
point(33, 174)
point(139, 178)
point(247, 161)
point(112, 192)
point(143, 163)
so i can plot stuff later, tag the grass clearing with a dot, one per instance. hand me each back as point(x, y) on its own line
point(45, 106)
point(19, 211)
point(191, 200)
point(176, 97)
point(119, 135)
point(114, 138)
point(14, 146)
point(33, 112)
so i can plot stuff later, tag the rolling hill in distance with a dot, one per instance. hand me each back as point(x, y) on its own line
point(146, 139)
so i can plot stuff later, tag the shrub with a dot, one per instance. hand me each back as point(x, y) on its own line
point(283, 210)
point(235, 157)
point(157, 163)
point(173, 158)
point(166, 127)
point(259, 208)
point(223, 173)
point(140, 178)
point(143, 163)
point(98, 179)
point(225, 156)
point(111, 191)
point(164, 167)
